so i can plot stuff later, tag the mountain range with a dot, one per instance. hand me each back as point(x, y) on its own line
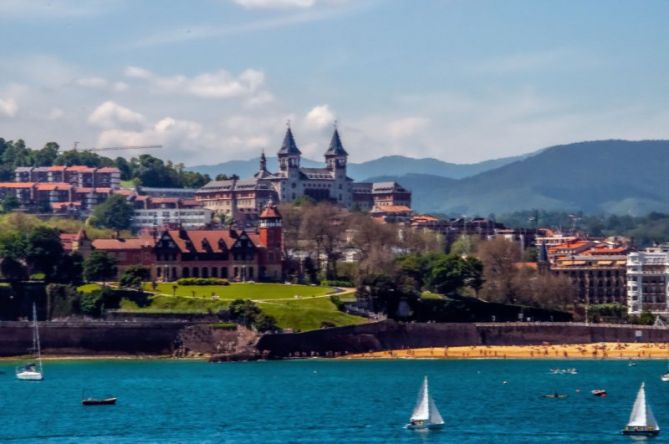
point(605, 176)
point(387, 165)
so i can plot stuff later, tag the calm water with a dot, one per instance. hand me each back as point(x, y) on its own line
point(325, 402)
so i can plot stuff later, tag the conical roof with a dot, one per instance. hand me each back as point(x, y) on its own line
point(336, 147)
point(289, 146)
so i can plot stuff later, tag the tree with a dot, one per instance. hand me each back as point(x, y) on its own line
point(70, 269)
point(115, 213)
point(244, 311)
point(323, 226)
point(44, 251)
point(447, 274)
point(99, 266)
point(473, 274)
point(47, 155)
point(13, 270)
point(499, 258)
point(264, 322)
point(9, 203)
point(133, 276)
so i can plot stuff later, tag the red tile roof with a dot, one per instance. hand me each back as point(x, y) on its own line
point(53, 186)
point(391, 209)
point(123, 244)
point(17, 184)
point(108, 170)
point(270, 212)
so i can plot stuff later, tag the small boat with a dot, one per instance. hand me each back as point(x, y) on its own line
point(642, 421)
point(33, 371)
point(600, 393)
point(555, 396)
point(665, 377)
point(89, 400)
point(425, 414)
point(103, 401)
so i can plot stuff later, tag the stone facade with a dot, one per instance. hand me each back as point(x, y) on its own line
point(246, 197)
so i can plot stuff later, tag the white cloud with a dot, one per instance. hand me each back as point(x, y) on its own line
point(112, 115)
point(406, 127)
point(136, 72)
point(182, 136)
point(8, 107)
point(276, 3)
point(319, 117)
point(92, 82)
point(249, 84)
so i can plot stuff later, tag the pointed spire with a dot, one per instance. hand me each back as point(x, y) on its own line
point(336, 148)
point(262, 171)
point(289, 146)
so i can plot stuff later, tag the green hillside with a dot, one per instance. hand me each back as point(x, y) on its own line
point(610, 176)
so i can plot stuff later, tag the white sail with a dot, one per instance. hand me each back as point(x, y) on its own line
point(30, 373)
point(435, 416)
point(642, 415)
point(421, 412)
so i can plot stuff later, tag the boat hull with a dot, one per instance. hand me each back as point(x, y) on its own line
point(665, 377)
point(108, 401)
point(424, 426)
point(29, 376)
point(634, 431)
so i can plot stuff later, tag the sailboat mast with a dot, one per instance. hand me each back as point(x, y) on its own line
point(36, 342)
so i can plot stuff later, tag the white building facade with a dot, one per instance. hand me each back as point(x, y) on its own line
point(648, 281)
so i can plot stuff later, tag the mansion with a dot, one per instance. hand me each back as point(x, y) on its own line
point(239, 198)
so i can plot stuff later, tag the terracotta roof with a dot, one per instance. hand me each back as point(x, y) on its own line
point(80, 169)
point(59, 205)
point(93, 190)
point(270, 211)
point(53, 186)
point(164, 200)
point(108, 170)
point(17, 184)
point(57, 168)
point(123, 244)
point(197, 238)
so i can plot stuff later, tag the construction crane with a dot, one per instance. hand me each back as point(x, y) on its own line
point(119, 148)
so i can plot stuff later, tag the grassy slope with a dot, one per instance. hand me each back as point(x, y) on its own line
point(298, 307)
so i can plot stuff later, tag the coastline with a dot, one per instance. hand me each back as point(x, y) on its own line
point(600, 350)
point(105, 358)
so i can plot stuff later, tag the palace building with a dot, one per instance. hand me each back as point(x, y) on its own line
point(238, 198)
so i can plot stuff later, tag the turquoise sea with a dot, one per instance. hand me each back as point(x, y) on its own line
point(320, 401)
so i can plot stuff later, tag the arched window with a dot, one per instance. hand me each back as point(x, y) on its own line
point(214, 272)
point(196, 272)
point(185, 272)
point(224, 272)
point(205, 272)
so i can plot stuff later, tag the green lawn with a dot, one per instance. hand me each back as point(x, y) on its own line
point(298, 307)
point(308, 314)
point(256, 292)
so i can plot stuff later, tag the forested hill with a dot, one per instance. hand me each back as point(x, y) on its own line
point(393, 165)
point(142, 170)
point(608, 176)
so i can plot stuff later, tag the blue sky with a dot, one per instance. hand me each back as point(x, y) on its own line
point(215, 80)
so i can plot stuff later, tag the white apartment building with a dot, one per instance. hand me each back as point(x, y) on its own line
point(647, 281)
point(188, 218)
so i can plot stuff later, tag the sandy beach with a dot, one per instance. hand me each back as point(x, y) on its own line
point(599, 350)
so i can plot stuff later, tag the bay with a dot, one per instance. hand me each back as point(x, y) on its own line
point(325, 401)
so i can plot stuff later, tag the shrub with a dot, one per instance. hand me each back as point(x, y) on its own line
point(337, 283)
point(202, 281)
point(336, 300)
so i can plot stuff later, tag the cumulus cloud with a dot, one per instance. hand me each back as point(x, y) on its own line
point(101, 83)
point(173, 134)
point(319, 117)
point(8, 107)
point(22, 9)
point(249, 84)
point(112, 115)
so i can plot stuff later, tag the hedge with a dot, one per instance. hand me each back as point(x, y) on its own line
point(203, 281)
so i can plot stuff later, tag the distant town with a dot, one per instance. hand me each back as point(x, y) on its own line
point(91, 238)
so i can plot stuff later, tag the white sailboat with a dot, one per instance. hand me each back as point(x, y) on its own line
point(33, 372)
point(425, 414)
point(665, 376)
point(642, 421)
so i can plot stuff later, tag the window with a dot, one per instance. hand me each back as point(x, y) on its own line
point(185, 272)
point(224, 272)
point(214, 272)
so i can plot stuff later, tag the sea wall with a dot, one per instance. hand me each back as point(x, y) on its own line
point(391, 335)
point(91, 338)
